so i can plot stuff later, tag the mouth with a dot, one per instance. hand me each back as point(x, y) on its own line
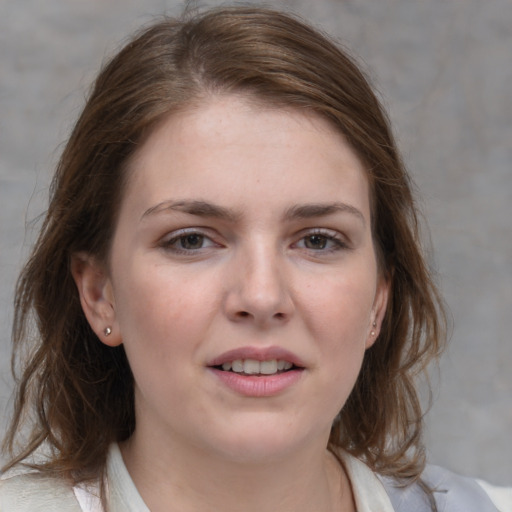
point(253, 367)
point(258, 372)
point(257, 361)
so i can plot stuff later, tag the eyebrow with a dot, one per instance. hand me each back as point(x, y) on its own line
point(310, 211)
point(199, 208)
point(296, 212)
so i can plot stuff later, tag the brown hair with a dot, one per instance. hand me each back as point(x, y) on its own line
point(77, 391)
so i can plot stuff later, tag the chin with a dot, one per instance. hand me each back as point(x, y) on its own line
point(266, 442)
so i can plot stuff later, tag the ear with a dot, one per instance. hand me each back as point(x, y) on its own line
point(378, 310)
point(96, 297)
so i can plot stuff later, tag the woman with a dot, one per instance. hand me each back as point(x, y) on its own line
point(230, 297)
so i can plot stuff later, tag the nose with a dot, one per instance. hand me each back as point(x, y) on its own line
point(259, 288)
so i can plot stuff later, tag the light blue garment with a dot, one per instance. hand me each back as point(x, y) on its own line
point(452, 493)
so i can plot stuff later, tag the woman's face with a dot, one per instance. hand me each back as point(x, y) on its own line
point(243, 280)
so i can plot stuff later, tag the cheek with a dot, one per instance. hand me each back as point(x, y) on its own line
point(161, 313)
point(159, 336)
point(340, 310)
point(339, 320)
point(158, 294)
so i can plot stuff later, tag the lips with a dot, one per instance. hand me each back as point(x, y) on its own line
point(258, 372)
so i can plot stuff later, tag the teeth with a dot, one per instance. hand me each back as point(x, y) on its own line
point(237, 366)
point(268, 367)
point(253, 367)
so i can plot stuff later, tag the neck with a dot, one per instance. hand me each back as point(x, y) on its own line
point(192, 481)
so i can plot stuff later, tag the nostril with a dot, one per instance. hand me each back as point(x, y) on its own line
point(245, 314)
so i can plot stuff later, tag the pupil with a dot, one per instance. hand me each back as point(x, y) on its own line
point(192, 241)
point(316, 242)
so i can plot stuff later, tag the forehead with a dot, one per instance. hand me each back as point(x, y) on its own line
point(231, 146)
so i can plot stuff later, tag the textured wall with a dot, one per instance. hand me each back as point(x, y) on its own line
point(444, 70)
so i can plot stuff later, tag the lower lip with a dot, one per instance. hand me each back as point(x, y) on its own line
point(258, 385)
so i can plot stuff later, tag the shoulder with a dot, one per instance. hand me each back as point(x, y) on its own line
point(501, 496)
point(452, 493)
point(24, 491)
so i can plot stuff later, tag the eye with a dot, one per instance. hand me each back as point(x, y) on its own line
point(321, 241)
point(187, 242)
point(191, 241)
point(316, 242)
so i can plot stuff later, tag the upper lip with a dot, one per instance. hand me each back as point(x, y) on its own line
point(258, 354)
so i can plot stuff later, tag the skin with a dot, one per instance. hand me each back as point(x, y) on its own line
point(184, 285)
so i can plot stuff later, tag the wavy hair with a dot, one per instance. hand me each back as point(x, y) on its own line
point(74, 392)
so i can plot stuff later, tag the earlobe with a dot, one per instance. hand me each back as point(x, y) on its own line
point(96, 297)
point(378, 311)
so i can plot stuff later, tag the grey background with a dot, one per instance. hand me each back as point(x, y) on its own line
point(444, 71)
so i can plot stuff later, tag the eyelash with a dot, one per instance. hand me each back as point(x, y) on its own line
point(168, 244)
point(328, 236)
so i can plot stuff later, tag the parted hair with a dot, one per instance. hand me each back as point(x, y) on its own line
point(74, 394)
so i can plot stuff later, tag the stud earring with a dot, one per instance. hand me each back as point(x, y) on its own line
point(372, 333)
point(107, 331)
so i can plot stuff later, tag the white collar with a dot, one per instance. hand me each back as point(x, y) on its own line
point(369, 492)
